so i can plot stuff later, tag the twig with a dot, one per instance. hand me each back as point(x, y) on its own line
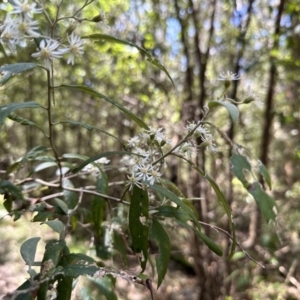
point(230, 236)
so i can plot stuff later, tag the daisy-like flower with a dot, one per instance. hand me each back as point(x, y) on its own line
point(24, 9)
point(10, 34)
point(29, 27)
point(229, 76)
point(200, 131)
point(49, 51)
point(143, 172)
point(161, 138)
point(75, 47)
point(133, 142)
point(153, 176)
point(133, 180)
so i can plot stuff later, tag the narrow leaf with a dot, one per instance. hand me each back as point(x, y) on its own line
point(96, 94)
point(265, 174)
point(138, 218)
point(7, 109)
point(266, 203)
point(105, 286)
point(232, 109)
point(159, 235)
point(96, 157)
point(62, 205)
point(9, 71)
point(28, 250)
point(150, 58)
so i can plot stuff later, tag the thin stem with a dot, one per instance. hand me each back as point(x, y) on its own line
point(50, 124)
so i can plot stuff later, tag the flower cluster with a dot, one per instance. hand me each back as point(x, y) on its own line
point(19, 25)
point(146, 148)
point(202, 132)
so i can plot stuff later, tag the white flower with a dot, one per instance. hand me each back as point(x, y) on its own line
point(200, 130)
point(133, 142)
point(10, 34)
point(49, 51)
point(75, 47)
point(209, 144)
point(153, 176)
point(143, 171)
point(28, 26)
point(229, 76)
point(102, 160)
point(24, 9)
point(133, 180)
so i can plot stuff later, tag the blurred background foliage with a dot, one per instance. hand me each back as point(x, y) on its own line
point(195, 41)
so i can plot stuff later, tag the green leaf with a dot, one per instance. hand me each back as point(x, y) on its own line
point(9, 71)
point(75, 155)
point(159, 235)
point(62, 205)
point(56, 225)
point(99, 204)
point(172, 212)
point(138, 218)
point(266, 203)
point(105, 285)
point(169, 195)
point(150, 58)
point(7, 109)
point(71, 198)
point(94, 93)
point(239, 164)
point(120, 245)
point(209, 243)
point(45, 165)
point(96, 157)
point(25, 122)
point(232, 109)
point(28, 250)
point(265, 174)
point(80, 269)
point(7, 186)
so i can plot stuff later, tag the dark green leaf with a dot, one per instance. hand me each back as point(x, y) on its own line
point(71, 198)
point(105, 286)
point(43, 216)
point(120, 245)
point(9, 71)
point(24, 122)
point(80, 269)
point(266, 203)
point(56, 225)
point(6, 110)
point(161, 238)
point(62, 205)
point(265, 174)
point(94, 93)
point(150, 58)
point(28, 250)
point(138, 218)
point(232, 109)
point(7, 186)
point(173, 212)
point(209, 243)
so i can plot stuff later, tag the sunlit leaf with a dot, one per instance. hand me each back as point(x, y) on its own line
point(7, 109)
point(159, 235)
point(240, 163)
point(9, 71)
point(96, 94)
point(232, 109)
